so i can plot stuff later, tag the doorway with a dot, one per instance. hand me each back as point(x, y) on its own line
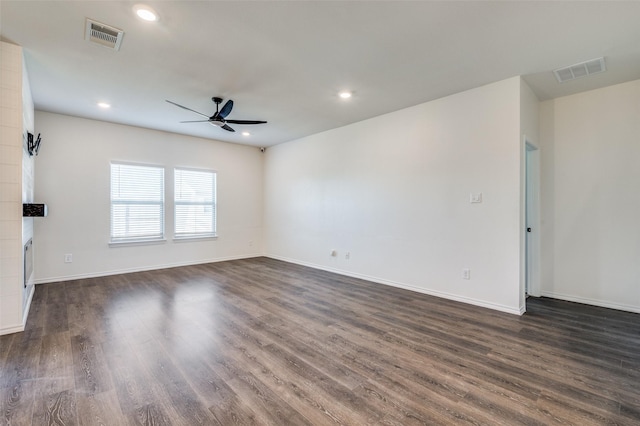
point(532, 220)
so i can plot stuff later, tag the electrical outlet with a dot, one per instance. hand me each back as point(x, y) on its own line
point(68, 258)
point(250, 243)
point(466, 274)
point(347, 255)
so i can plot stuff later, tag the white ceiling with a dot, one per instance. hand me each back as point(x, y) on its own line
point(285, 61)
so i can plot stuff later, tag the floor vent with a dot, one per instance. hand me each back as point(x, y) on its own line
point(103, 35)
point(583, 69)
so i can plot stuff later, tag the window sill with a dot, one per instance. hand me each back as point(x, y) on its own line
point(187, 238)
point(126, 243)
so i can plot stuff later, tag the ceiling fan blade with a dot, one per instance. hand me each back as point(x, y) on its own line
point(195, 121)
point(227, 128)
point(226, 109)
point(188, 109)
point(245, 122)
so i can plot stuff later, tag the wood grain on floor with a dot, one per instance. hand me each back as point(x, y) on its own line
point(260, 341)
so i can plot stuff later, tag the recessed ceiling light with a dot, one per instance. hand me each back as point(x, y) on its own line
point(345, 94)
point(145, 12)
point(246, 134)
point(104, 105)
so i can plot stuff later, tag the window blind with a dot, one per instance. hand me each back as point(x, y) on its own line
point(195, 203)
point(137, 202)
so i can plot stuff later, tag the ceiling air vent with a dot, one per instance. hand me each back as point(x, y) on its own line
point(583, 69)
point(103, 35)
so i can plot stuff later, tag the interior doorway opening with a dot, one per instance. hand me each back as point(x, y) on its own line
point(532, 220)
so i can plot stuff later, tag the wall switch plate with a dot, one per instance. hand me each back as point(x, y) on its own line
point(466, 274)
point(475, 198)
point(68, 258)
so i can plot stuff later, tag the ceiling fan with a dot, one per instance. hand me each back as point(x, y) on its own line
point(219, 118)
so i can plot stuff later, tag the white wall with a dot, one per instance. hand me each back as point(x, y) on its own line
point(591, 197)
point(16, 178)
point(529, 113)
point(73, 179)
point(393, 191)
point(28, 177)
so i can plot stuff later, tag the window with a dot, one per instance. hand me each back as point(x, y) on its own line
point(195, 203)
point(137, 203)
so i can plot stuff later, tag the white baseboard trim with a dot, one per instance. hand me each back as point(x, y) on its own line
point(594, 302)
point(47, 280)
point(25, 314)
point(444, 295)
point(12, 329)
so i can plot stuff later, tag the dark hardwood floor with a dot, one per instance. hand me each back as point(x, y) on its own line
point(260, 341)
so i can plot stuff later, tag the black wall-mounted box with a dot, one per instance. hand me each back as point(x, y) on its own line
point(34, 210)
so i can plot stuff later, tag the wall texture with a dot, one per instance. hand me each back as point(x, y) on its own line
point(590, 197)
point(73, 179)
point(393, 193)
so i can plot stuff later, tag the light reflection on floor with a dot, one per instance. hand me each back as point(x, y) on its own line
point(178, 317)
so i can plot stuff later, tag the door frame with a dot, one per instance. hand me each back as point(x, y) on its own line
point(531, 210)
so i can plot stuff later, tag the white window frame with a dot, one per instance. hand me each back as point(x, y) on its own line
point(179, 202)
point(136, 239)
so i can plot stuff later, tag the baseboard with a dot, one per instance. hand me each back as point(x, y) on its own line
point(523, 309)
point(47, 280)
point(25, 314)
point(444, 295)
point(594, 302)
point(12, 329)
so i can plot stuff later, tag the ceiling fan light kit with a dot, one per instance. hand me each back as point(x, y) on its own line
point(218, 119)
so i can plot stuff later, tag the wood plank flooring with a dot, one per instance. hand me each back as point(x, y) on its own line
point(260, 341)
